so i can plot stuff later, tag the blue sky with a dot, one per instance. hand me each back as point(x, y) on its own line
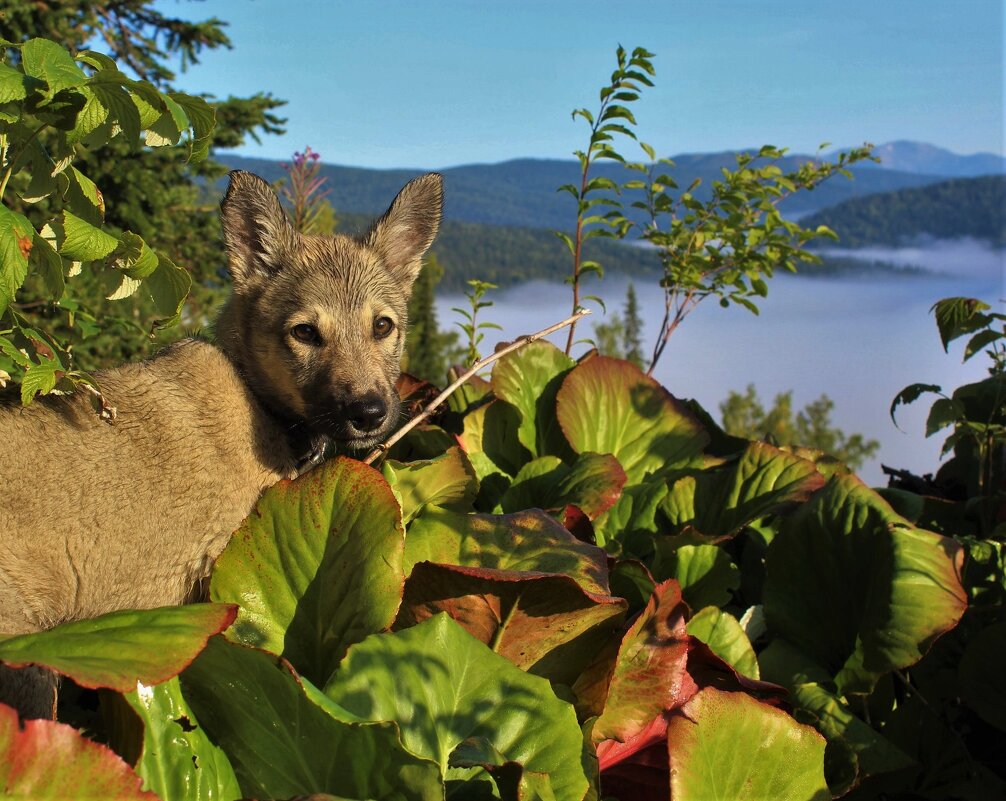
point(435, 84)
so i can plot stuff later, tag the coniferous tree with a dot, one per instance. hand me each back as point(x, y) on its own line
point(429, 352)
point(632, 341)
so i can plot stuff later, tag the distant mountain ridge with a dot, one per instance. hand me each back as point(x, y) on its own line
point(919, 157)
point(523, 193)
point(962, 207)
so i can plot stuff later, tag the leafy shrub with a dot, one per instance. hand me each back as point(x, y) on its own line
point(576, 585)
point(50, 107)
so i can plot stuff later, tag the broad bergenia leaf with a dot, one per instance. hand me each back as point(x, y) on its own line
point(528, 379)
point(649, 676)
point(447, 481)
point(729, 745)
point(609, 406)
point(716, 503)
point(490, 440)
point(178, 760)
point(520, 583)
point(857, 750)
point(593, 483)
point(285, 739)
point(857, 588)
point(42, 760)
point(121, 648)
point(706, 573)
point(442, 687)
point(316, 567)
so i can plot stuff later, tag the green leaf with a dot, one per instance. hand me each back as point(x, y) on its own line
point(41, 760)
point(133, 257)
point(633, 517)
point(956, 317)
point(178, 759)
point(857, 588)
point(490, 432)
point(447, 481)
point(39, 379)
point(980, 341)
point(705, 572)
point(201, 119)
point(944, 412)
point(725, 638)
point(13, 84)
point(78, 240)
point(442, 687)
point(168, 286)
point(716, 503)
point(521, 583)
point(49, 265)
point(316, 567)
point(528, 379)
point(910, 394)
point(746, 750)
point(119, 649)
point(47, 61)
point(283, 737)
point(593, 484)
point(16, 237)
point(859, 751)
point(609, 406)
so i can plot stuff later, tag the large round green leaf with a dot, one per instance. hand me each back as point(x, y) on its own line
point(44, 760)
point(857, 588)
point(178, 759)
point(118, 650)
point(609, 406)
point(727, 745)
point(528, 379)
point(442, 687)
point(490, 439)
point(520, 583)
point(316, 567)
point(716, 503)
point(447, 481)
point(286, 739)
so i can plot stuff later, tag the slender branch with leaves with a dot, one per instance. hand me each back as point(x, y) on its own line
point(472, 327)
point(726, 244)
point(612, 119)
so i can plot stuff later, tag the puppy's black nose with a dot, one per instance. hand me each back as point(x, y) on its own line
point(367, 413)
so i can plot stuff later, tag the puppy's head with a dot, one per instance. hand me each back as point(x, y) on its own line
point(316, 324)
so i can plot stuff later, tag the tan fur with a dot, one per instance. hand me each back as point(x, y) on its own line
point(96, 517)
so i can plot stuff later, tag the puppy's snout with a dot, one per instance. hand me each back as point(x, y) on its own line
point(367, 413)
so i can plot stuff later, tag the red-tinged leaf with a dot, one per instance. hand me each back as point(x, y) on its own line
point(577, 523)
point(446, 481)
point(119, 649)
point(526, 587)
point(609, 406)
point(593, 483)
point(649, 675)
point(733, 746)
point(415, 394)
point(46, 760)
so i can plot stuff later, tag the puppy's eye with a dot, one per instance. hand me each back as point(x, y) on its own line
point(382, 327)
point(306, 333)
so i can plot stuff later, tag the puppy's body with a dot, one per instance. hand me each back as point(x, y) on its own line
point(96, 517)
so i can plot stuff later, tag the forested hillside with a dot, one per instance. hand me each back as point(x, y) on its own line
point(523, 192)
point(964, 207)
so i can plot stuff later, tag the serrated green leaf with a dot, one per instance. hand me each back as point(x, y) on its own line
point(725, 638)
point(39, 379)
point(16, 237)
point(168, 286)
point(78, 240)
point(47, 61)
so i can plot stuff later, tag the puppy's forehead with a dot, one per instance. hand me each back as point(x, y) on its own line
point(340, 273)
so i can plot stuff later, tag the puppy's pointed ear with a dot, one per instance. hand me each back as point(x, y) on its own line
point(408, 227)
point(256, 230)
